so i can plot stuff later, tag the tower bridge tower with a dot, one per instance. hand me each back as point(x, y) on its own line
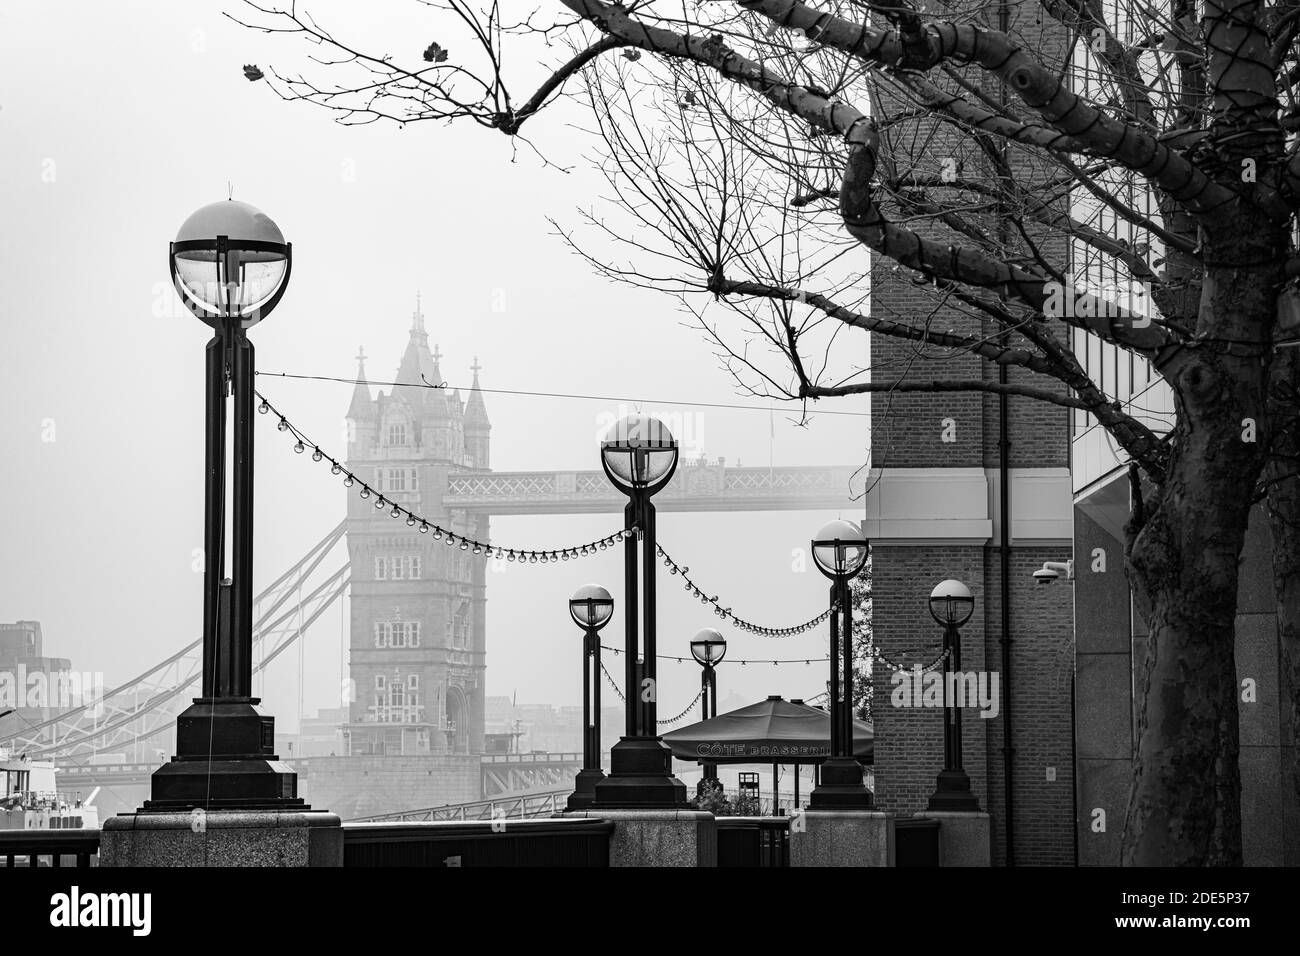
point(418, 642)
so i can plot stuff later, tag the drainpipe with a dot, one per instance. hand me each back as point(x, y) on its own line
point(1004, 545)
point(1004, 530)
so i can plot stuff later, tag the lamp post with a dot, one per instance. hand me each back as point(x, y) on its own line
point(639, 455)
point(230, 265)
point(951, 605)
point(709, 647)
point(840, 552)
point(591, 607)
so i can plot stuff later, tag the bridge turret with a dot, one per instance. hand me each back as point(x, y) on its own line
point(477, 427)
point(363, 416)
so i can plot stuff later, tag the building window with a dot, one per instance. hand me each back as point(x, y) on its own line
point(379, 682)
point(396, 480)
point(397, 433)
point(397, 634)
point(413, 682)
point(406, 567)
point(397, 697)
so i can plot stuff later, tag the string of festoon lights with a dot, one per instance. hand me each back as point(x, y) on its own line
point(303, 443)
point(742, 662)
point(395, 510)
point(662, 723)
point(726, 613)
point(895, 666)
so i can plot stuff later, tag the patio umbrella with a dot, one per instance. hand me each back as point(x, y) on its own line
point(775, 731)
point(771, 731)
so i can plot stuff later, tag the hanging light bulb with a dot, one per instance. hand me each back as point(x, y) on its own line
point(464, 545)
point(603, 545)
point(396, 512)
point(424, 527)
point(264, 408)
point(335, 468)
point(478, 548)
point(510, 556)
point(299, 447)
point(437, 533)
point(532, 558)
point(564, 555)
point(365, 491)
point(348, 482)
point(283, 426)
point(381, 504)
point(500, 554)
point(317, 455)
point(451, 539)
point(410, 521)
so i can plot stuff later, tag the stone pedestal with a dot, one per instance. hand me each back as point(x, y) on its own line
point(965, 839)
point(659, 837)
point(842, 838)
point(222, 838)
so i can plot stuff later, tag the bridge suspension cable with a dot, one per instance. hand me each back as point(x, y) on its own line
point(146, 705)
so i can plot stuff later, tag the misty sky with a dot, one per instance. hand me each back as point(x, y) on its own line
point(118, 120)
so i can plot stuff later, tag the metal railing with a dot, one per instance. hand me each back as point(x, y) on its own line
point(35, 848)
point(520, 807)
point(580, 842)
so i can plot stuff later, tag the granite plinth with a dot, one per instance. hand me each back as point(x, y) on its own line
point(965, 839)
point(659, 837)
point(842, 838)
point(222, 838)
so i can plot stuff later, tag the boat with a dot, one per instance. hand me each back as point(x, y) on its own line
point(30, 798)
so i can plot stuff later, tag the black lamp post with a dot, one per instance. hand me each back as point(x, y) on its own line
point(840, 552)
point(591, 607)
point(230, 265)
point(951, 604)
point(709, 647)
point(639, 455)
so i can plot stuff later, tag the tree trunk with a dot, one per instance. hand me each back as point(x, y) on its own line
point(1185, 803)
point(1284, 523)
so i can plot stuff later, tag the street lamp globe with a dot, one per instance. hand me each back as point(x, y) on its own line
point(639, 454)
point(709, 647)
point(230, 261)
point(951, 603)
point(591, 606)
point(840, 550)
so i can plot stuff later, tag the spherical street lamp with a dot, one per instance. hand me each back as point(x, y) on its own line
point(591, 607)
point(230, 261)
point(709, 647)
point(951, 605)
point(840, 550)
point(230, 265)
point(639, 455)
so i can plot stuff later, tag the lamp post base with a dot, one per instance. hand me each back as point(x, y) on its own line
point(841, 787)
point(640, 776)
point(225, 760)
point(952, 793)
point(584, 789)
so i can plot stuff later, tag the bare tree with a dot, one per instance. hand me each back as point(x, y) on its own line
point(756, 149)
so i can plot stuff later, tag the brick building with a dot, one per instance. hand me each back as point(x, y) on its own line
point(936, 509)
